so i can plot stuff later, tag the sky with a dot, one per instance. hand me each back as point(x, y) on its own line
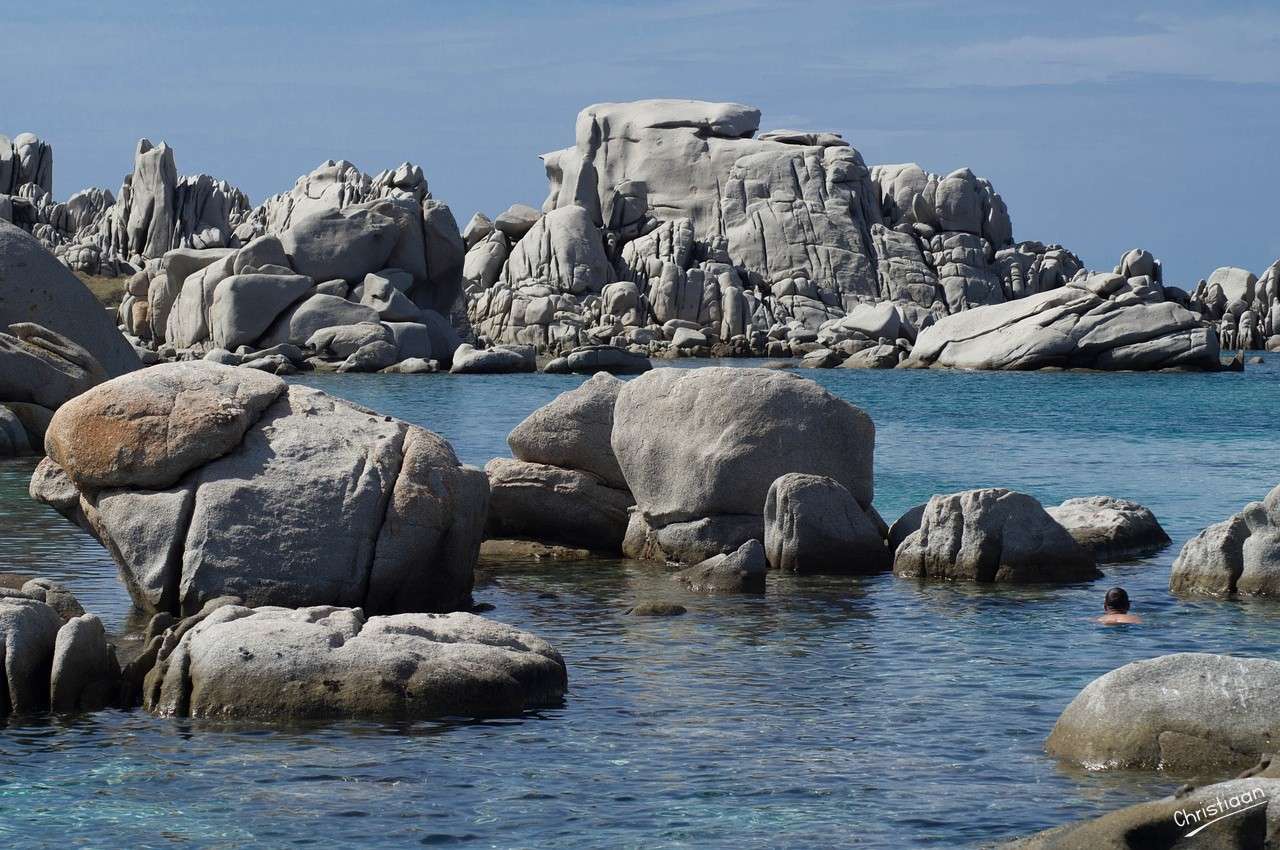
point(1105, 125)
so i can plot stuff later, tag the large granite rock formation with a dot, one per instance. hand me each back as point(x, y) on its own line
point(326, 662)
point(1240, 555)
point(741, 234)
point(1186, 711)
point(205, 480)
point(991, 535)
point(700, 450)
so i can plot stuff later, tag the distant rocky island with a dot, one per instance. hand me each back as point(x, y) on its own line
point(671, 228)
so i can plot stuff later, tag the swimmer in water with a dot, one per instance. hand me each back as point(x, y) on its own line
point(1115, 609)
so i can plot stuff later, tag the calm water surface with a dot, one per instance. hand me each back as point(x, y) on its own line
point(831, 712)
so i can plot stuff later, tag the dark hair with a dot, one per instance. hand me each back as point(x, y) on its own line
point(1116, 600)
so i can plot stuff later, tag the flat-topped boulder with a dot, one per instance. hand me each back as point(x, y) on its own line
point(1112, 529)
point(991, 535)
point(501, 359)
point(205, 480)
point(1186, 711)
point(329, 663)
point(1240, 555)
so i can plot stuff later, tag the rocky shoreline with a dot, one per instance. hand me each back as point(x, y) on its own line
point(303, 557)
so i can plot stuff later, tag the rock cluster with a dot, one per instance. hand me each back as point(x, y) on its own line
point(676, 227)
point(205, 480)
point(1242, 305)
point(687, 465)
point(55, 343)
point(990, 535)
point(52, 654)
point(671, 228)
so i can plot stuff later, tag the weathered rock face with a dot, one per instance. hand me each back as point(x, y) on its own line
point(1072, 327)
point(276, 495)
point(25, 160)
point(1182, 712)
point(1239, 555)
point(28, 630)
point(700, 443)
point(36, 288)
point(151, 428)
point(325, 662)
point(813, 524)
point(563, 251)
point(744, 235)
point(991, 535)
point(1112, 529)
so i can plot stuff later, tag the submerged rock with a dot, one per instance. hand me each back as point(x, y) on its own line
point(325, 663)
point(742, 571)
point(991, 535)
point(1186, 711)
point(1240, 555)
point(1112, 529)
point(205, 480)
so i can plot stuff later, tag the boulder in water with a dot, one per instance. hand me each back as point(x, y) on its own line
point(992, 535)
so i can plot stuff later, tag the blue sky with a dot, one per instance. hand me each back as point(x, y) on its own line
point(1105, 125)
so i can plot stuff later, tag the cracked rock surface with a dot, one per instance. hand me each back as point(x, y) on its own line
point(205, 480)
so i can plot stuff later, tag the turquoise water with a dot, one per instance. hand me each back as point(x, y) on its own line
point(867, 712)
